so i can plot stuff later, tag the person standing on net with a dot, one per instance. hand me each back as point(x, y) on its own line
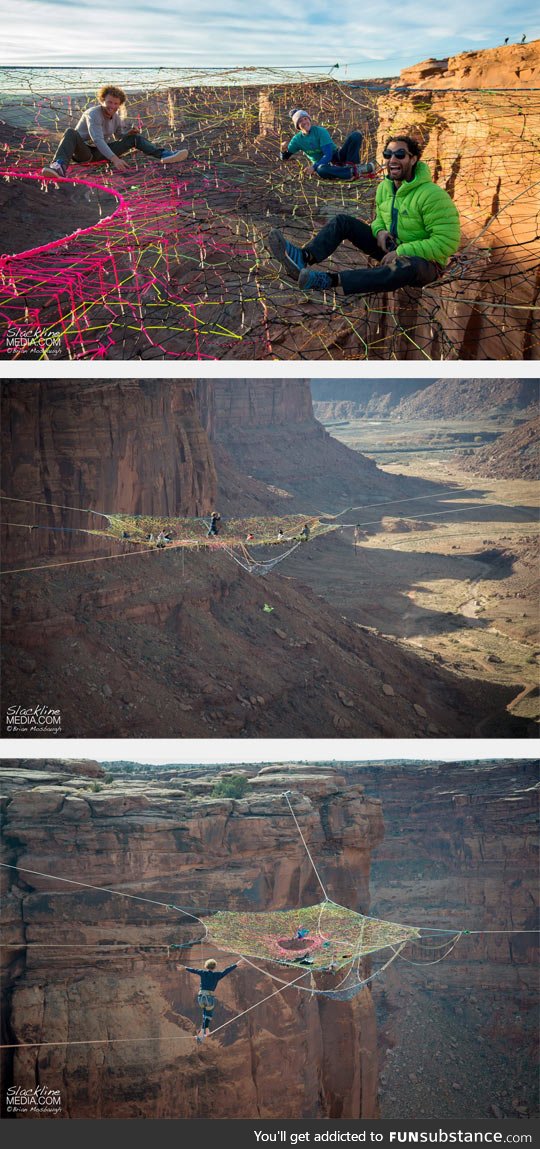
point(101, 134)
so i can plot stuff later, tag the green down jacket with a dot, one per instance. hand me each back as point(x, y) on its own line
point(421, 216)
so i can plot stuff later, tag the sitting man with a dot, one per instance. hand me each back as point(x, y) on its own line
point(328, 161)
point(93, 138)
point(415, 231)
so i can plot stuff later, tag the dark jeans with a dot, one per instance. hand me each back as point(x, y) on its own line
point(73, 148)
point(405, 271)
point(348, 153)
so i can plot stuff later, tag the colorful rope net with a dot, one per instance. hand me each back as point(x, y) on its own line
point(325, 936)
point(170, 262)
point(273, 537)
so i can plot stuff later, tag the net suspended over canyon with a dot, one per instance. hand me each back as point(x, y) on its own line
point(322, 939)
point(256, 543)
point(172, 262)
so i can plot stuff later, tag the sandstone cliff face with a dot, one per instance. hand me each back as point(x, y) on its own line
point(125, 446)
point(507, 66)
point(252, 403)
point(160, 841)
point(459, 851)
point(268, 431)
point(466, 136)
point(178, 643)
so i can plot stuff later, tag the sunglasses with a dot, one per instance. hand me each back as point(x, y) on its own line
point(399, 153)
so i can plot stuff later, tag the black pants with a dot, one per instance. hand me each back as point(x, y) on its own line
point(339, 167)
point(72, 147)
point(405, 271)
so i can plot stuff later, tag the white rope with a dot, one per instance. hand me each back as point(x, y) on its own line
point(258, 566)
point(435, 495)
point(436, 960)
point(105, 890)
point(263, 999)
point(146, 1040)
point(322, 992)
point(320, 881)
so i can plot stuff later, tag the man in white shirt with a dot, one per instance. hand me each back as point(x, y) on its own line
point(101, 134)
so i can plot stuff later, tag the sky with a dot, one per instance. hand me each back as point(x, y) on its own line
point(235, 750)
point(375, 38)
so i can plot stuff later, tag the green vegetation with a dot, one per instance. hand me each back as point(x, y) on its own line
point(234, 787)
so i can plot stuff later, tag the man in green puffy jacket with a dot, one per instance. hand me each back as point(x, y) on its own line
point(413, 235)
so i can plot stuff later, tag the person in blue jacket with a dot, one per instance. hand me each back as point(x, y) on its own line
point(210, 977)
point(328, 161)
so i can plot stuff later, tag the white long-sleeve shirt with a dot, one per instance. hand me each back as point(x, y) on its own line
point(95, 127)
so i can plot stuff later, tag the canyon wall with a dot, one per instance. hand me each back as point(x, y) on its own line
point(241, 404)
point(478, 119)
point(91, 966)
point(268, 431)
point(126, 446)
point(459, 1029)
point(162, 447)
point(184, 648)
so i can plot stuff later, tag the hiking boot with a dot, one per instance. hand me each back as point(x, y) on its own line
point(55, 168)
point(362, 170)
point(311, 280)
point(291, 258)
point(168, 156)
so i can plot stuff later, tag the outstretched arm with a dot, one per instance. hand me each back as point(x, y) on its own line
point(229, 969)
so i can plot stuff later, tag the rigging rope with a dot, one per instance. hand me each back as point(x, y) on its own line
point(319, 879)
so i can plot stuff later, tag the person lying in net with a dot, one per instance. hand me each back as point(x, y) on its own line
point(414, 233)
point(101, 134)
point(328, 161)
point(210, 977)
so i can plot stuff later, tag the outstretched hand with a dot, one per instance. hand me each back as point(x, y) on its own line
point(382, 239)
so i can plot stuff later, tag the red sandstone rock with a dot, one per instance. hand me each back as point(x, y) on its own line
point(507, 66)
point(203, 855)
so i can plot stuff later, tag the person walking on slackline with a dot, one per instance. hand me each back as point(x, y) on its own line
point(210, 977)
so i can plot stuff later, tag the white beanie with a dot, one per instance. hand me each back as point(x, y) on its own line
point(297, 115)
